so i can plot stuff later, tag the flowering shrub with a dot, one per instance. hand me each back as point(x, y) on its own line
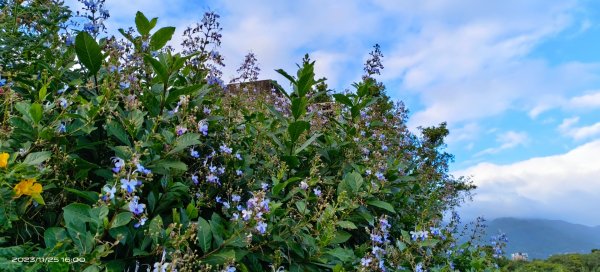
point(140, 158)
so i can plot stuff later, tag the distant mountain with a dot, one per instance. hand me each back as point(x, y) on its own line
point(540, 238)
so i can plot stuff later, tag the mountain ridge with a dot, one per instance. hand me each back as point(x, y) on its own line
point(541, 238)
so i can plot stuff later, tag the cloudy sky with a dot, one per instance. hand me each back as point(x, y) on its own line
point(517, 81)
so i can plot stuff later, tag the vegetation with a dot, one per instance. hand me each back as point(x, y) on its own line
point(123, 154)
point(559, 263)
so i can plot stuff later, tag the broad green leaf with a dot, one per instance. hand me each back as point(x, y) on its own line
point(142, 24)
point(221, 257)
point(340, 237)
point(299, 107)
point(184, 141)
point(36, 158)
point(87, 195)
point(347, 225)
point(286, 75)
point(296, 129)
point(301, 206)
point(341, 98)
point(204, 235)
point(54, 235)
point(121, 219)
point(116, 129)
point(382, 204)
point(36, 112)
point(160, 38)
point(158, 67)
point(351, 183)
point(174, 94)
point(88, 52)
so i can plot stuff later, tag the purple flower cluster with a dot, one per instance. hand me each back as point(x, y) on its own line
point(255, 210)
point(379, 239)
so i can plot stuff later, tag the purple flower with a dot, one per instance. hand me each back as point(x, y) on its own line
point(225, 149)
point(264, 186)
point(124, 85)
point(261, 227)
point(195, 179)
point(145, 45)
point(246, 215)
point(221, 170)
point(317, 192)
point(380, 176)
point(140, 223)
point(180, 130)
point(135, 207)
point(119, 163)
point(203, 128)
point(128, 185)
point(384, 147)
point(62, 128)
point(142, 169)
point(235, 198)
point(194, 153)
point(206, 110)
point(213, 179)
point(226, 205)
point(303, 185)
point(63, 103)
point(238, 156)
point(212, 169)
point(239, 172)
point(110, 191)
point(365, 261)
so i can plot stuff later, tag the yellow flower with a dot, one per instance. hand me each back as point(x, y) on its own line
point(28, 187)
point(4, 160)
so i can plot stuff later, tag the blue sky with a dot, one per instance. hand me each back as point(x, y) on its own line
point(517, 81)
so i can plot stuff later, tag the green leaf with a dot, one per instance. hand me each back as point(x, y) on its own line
point(204, 234)
point(36, 112)
point(184, 141)
point(301, 206)
point(169, 164)
point(347, 225)
point(296, 129)
point(286, 75)
point(341, 98)
point(221, 257)
point(121, 219)
point(43, 92)
point(116, 129)
point(160, 38)
point(340, 237)
point(54, 235)
point(155, 228)
point(88, 52)
point(307, 143)
point(92, 197)
point(351, 183)
point(158, 67)
point(142, 24)
point(189, 90)
point(299, 107)
point(382, 204)
point(36, 158)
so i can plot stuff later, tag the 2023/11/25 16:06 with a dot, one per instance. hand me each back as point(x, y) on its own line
point(48, 259)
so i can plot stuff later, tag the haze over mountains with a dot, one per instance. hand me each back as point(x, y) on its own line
point(540, 238)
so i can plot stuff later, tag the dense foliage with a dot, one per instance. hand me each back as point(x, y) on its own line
point(122, 154)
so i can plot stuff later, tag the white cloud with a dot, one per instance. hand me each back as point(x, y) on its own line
point(589, 100)
point(507, 140)
point(564, 186)
point(568, 127)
